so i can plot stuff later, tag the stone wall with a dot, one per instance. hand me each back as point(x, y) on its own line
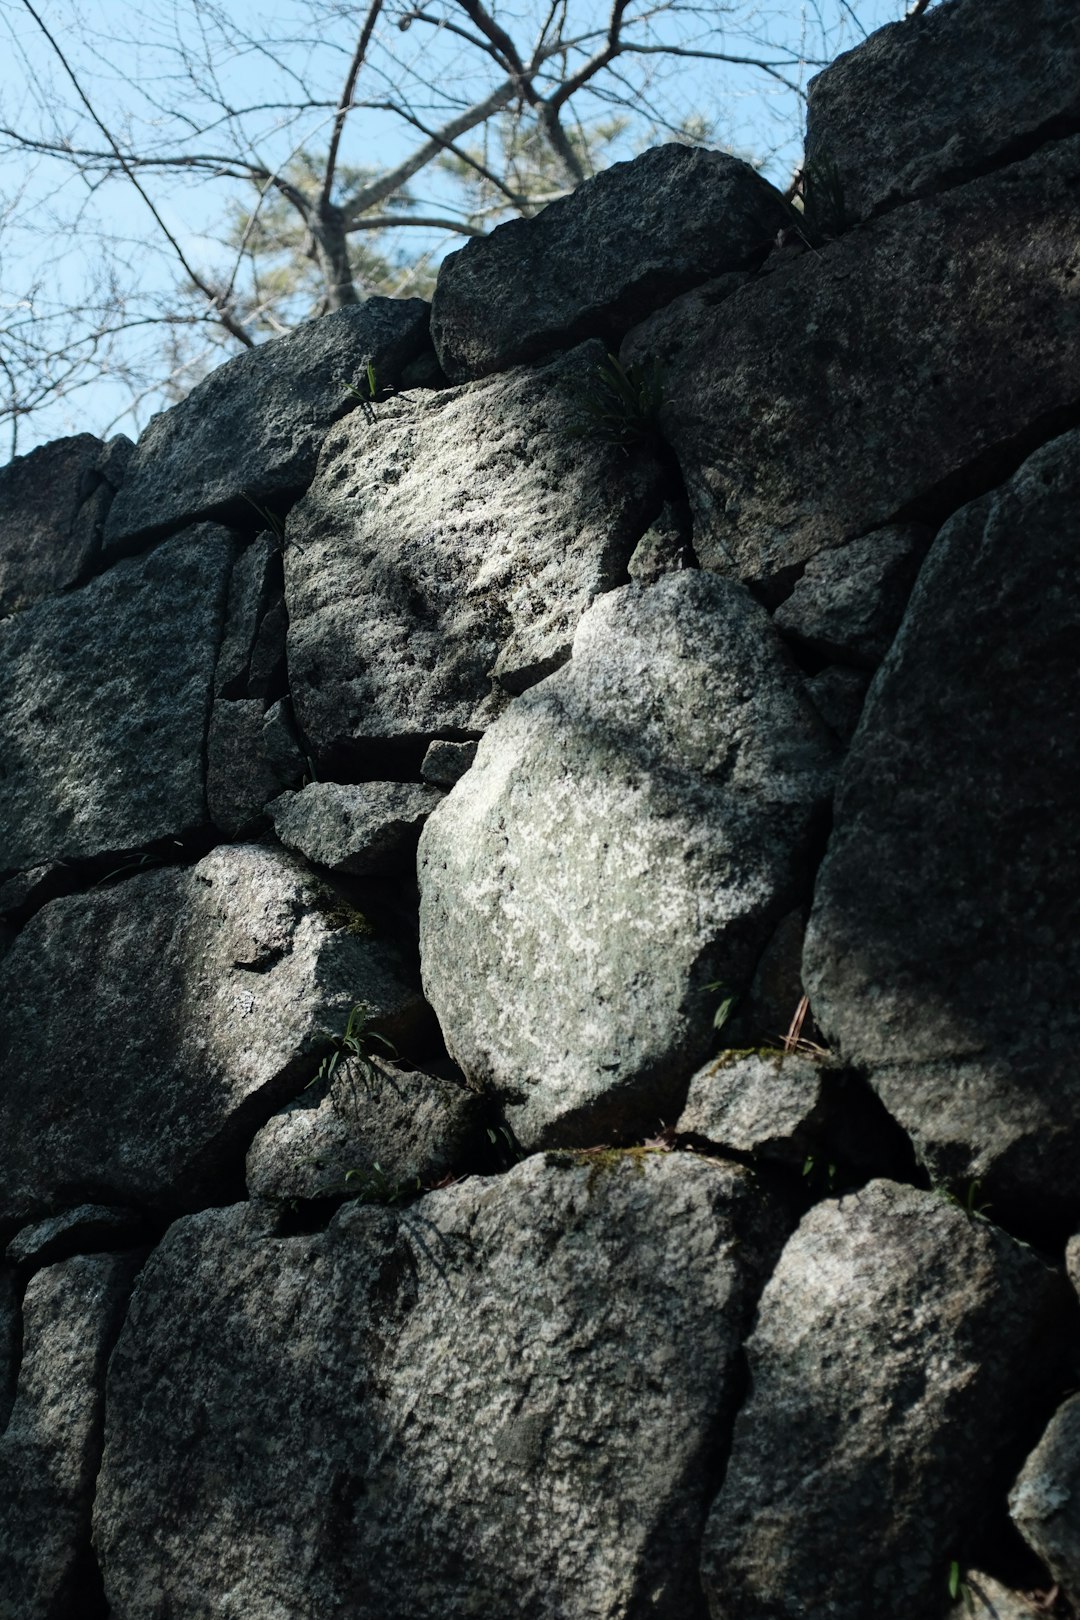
point(540, 913)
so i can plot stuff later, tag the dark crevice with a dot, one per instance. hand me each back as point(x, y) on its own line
point(89, 873)
point(381, 759)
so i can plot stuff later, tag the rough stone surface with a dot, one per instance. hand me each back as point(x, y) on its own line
point(52, 506)
point(987, 1599)
point(944, 944)
point(458, 537)
point(931, 100)
point(890, 1328)
point(252, 430)
point(50, 1450)
point(88, 1229)
point(766, 1103)
point(107, 695)
point(663, 548)
point(242, 773)
point(10, 1339)
point(281, 746)
point(251, 592)
point(378, 1126)
point(838, 693)
point(359, 829)
point(203, 998)
point(446, 762)
point(1045, 1500)
point(817, 403)
point(25, 891)
point(849, 602)
point(631, 831)
point(594, 263)
point(506, 1400)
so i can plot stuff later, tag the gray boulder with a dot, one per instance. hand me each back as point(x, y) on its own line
point(892, 1325)
point(50, 1450)
point(378, 1129)
point(505, 1400)
point(359, 829)
point(52, 507)
point(630, 834)
point(103, 727)
point(203, 999)
point(771, 1104)
point(89, 1229)
point(255, 574)
point(984, 1598)
point(944, 944)
point(455, 540)
point(849, 602)
point(249, 435)
point(594, 263)
point(446, 762)
point(930, 101)
point(1045, 1500)
point(816, 403)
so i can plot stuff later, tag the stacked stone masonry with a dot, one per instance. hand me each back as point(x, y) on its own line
point(538, 976)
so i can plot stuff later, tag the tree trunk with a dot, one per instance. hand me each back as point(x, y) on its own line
point(330, 250)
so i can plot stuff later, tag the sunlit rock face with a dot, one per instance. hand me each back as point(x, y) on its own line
point(204, 998)
point(629, 835)
point(503, 1400)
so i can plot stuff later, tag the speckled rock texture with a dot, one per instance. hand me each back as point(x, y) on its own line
point(848, 603)
point(378, 1128)
point(804, 416)
point(1045, 1500)
point(107, 697)
point(506, 1400)
point(629, 835)
point(862, 1458)
point(204, 999)
point(446, 552)
point(251, 431)
point(360, 828)
point(928, 101)
point(52, 507)
point(770, 1104)
point(594, 263)
point(51, 1447)
point(944, 940)
point(87, 1229)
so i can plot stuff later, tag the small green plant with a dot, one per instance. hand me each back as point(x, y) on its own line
point(273, 522)
point(618, 404)
point(374, 1186)
point(960, 1588)
point(366, 391)
point(729, 1001)
point(821, 1172)
point(354, 1045)
point(969, 1203)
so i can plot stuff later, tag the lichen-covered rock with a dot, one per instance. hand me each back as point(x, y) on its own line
point(456, 539)
point(1045, 1500)
point(249, 434)
point(89, 1229)
point(50, 1450)
point(891, 1327)
point(357, 829)
point(505, 1400)
point(818, 402)
point(52, 506)
point(378, 1128)
point(592, 264)
point(848, 604)
point(107, 697)
point(631, 832)
point(767, 1103)
point(932, 100)
point(202, 1000)
point(944, 944)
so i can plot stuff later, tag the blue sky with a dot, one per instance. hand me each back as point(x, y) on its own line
point(162, 82)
